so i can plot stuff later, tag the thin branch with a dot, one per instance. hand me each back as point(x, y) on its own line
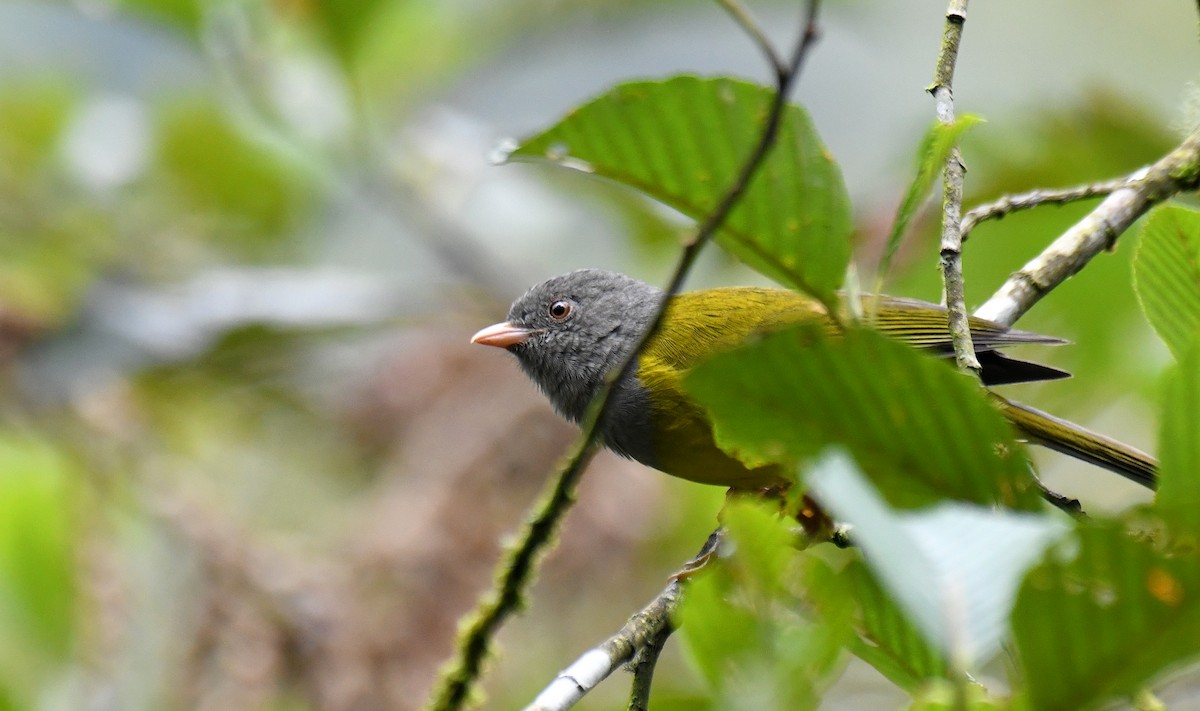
point(236, 53)
point(717, 217)
point(1066, 504)
point(643, 669)
point(1176, 172)
point(952, 180)
point(741, 14)
point(520, 560)
point(647, 627)
point(1024, 201)
point(640, 640)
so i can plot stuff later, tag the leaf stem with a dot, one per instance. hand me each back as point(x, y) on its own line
point(741, 14)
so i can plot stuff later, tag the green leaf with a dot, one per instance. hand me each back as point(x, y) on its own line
point(931, 156)
point(1178, 496)
point(887, 639)
point(1166, 273)
point(683, 140)
point(953, 569)
point(1107, 622)
point(921, 431)
point(713, 630)
point(746, 625)
point(764, 544)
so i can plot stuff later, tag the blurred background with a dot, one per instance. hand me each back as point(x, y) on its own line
point(248, 459)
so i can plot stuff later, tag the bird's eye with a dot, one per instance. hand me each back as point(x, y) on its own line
point(560, 310)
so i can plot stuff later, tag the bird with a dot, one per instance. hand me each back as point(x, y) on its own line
point(569, 332)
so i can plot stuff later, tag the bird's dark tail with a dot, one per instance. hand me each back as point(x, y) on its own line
point(1071, 439)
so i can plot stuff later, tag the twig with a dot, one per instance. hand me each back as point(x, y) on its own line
point(520, 560)
point(952, 180)
point(1066, 504)
point(640, 640)
point(1024, 201)
point(742, 16)
point(652, 623)
point(1176, 172)
point(644, 664)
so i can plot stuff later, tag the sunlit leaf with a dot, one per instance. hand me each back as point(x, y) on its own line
point(921, 431)
point(953, 569)
point(682, 141)
point(1105, 621)
point(1166, 274)
point(1167, 280)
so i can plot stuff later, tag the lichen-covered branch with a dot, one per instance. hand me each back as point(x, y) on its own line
point(952, 180)
point(1009, 204)
point(1176, 172)
point(639, 643)
point(644, 664)
point(650, 626)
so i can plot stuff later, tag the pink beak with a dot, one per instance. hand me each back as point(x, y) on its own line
point(502, 335)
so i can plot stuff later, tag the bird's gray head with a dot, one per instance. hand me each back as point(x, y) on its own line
point(570, 331)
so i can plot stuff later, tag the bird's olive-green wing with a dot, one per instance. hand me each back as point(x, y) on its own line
point(923, 325)
point(699, 324)
point(702, 323)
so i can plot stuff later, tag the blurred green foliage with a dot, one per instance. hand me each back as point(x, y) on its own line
point(252, 197)
point(214, 499)
point(51, 239)
point(38, 539)
point(183, 14)
point(746, 622)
